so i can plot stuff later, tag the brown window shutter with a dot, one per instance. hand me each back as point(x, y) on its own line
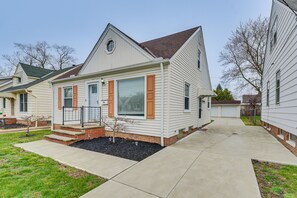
point(60, 98)
point(111, 98)
point(150, 96)
point(74, 97)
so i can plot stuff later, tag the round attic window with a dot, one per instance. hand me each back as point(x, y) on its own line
point(110, 46)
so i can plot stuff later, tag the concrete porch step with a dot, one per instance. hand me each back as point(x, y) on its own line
point(79, 127)
point(60, 138)
point(74, 133)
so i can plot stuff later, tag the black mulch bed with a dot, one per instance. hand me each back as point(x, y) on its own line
point(121, 148)
point(13, 126)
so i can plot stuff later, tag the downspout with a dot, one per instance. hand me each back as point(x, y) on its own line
point(162, 103)
point(28, 92)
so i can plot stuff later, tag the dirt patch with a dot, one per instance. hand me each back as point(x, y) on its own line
point(129, 149)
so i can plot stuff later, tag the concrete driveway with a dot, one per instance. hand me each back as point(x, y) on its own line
point(215, 163)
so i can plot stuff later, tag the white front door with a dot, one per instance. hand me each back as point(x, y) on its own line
point(93, 110)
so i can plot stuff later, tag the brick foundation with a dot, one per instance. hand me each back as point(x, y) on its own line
point(33, 124)
point(273, 130)
point(9, 121)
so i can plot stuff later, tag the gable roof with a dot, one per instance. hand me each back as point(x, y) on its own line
point(46, 77)
point(167, 46)
point(34, 71)
point(225, 102)
point(73, 72)
point(292, 4)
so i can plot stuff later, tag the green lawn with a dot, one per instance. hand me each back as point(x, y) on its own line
point(24, 174)
point(276, 180)
point(248, 122)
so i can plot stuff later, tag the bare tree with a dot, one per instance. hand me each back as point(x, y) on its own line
point(243, 55)
point(40, 54)
point(30, 119)
point(63, 57)
point(117, 124)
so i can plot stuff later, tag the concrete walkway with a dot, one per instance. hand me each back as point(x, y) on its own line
point(215, 163)
point(103, 165)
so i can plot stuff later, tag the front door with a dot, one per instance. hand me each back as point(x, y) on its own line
point(200, 107)
point(93, 106)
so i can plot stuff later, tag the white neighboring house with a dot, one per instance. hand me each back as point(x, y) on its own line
point(27, 92)
point(279, 92)
point(163, 84)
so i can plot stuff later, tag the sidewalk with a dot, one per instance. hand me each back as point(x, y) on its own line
point(103, 165)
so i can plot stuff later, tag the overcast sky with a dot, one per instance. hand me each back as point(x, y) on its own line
point(79, 23)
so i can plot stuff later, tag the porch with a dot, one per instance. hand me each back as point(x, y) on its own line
point(78, 123)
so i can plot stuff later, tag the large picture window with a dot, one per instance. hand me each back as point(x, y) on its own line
point(277, 90)
point(187, 96)
point(131, 97)
point(68, 97)
point(23, 102)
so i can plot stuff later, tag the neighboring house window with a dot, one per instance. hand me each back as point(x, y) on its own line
point(110, 46)
point(19, 80)
point(23, 102)
point(4, 103)
point(67, 96)
point(267, 95)
point(273, 34)
point(208, 102)
point(277, 90)
point(187, 96)
point(199, 59)
point(131, 96)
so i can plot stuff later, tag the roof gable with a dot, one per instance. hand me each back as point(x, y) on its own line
point(167, 46)
point(34, 71)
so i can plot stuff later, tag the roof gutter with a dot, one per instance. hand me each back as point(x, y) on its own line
point(162, 103)
point(156, 62)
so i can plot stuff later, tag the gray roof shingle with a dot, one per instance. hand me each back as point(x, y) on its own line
point(34, 71)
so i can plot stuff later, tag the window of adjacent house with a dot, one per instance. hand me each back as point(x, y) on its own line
point(292, 137)
point(23, 102)
point(199, 59)
point(110, 46)
point(67, 96)
point(273, 34)
point(267, 94)
point(187, 96)
point(4, 103)
point(277, 90)
point(131, 94)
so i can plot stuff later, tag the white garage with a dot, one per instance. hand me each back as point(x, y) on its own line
point(227, 109)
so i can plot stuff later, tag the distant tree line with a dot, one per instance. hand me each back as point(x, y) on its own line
point(40, 54)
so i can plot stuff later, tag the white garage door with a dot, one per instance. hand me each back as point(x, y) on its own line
point(229, 111)
point(215, 111)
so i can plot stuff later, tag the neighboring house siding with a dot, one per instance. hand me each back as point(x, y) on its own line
point(149, 127)
point(284, 58)
point(21, 74)
point(184, 68)
point(126, 53)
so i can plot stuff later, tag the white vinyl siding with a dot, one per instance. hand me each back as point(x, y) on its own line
point(284, 58)
point(183, 68)
point(142, 126)
point(273, 33)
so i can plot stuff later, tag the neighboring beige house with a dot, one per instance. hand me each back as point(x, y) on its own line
point(162, 84)
point(27, 92)
point(279, 90)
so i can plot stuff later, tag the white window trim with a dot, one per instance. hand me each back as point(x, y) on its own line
point(114, 46)
point(291, 142)
point(280, 136)
point(190, 87)
point(63, 93)
point(20, 102)
point(116, 97)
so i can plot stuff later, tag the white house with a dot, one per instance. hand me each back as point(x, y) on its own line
point(162, 84)
point(279, 94)
point(27, 92)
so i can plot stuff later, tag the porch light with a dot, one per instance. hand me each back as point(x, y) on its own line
point(102, 81)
